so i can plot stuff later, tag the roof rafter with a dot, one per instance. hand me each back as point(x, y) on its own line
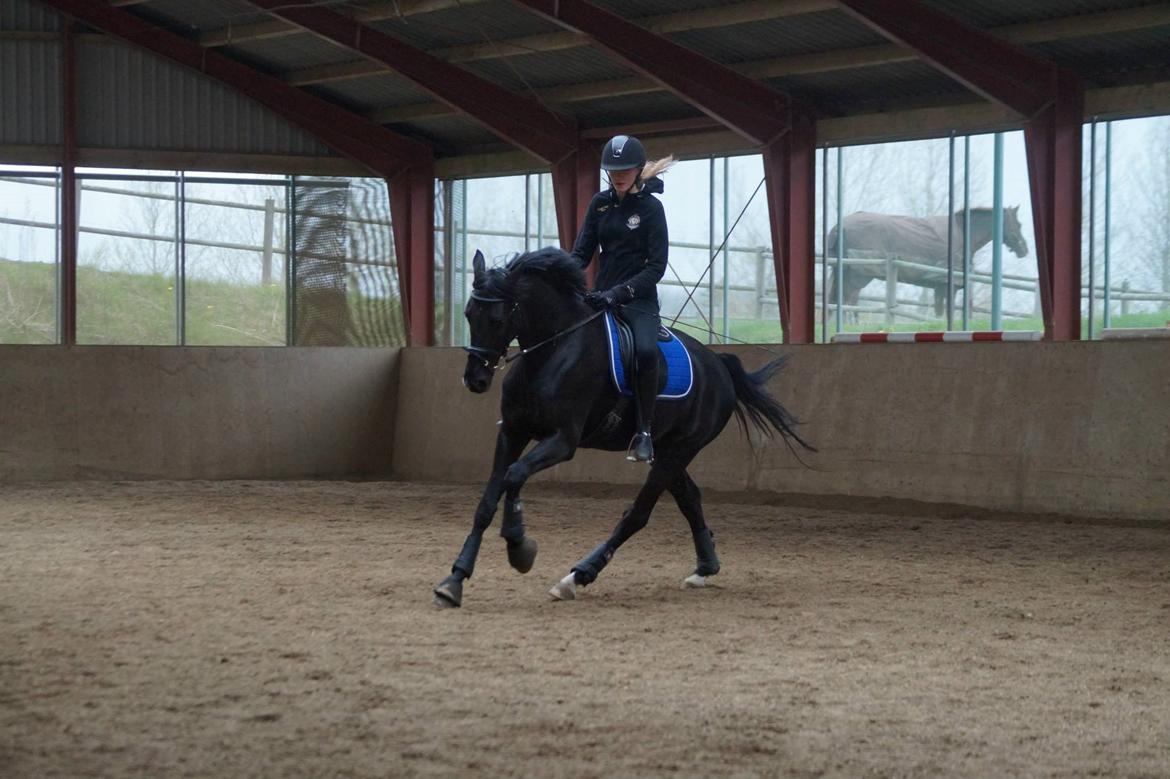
point(401, 9)
point(750, 108)
point(1079, 26)
point(515, 118)
point(680, 21)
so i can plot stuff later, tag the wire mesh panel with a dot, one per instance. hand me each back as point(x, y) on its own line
point(344, 274)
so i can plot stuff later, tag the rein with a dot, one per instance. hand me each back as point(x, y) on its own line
point(554, 337)
point(491, 357)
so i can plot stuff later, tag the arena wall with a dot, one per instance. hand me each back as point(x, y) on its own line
point(1073, 428)
point(110, 412)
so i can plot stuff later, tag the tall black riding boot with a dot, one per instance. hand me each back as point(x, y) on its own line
point(642, 448)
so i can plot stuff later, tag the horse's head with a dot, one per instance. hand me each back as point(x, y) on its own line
point(1013, 235)
point(490, 315)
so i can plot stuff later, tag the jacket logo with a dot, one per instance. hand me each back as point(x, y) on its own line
point(633, 222)
point(601, 209)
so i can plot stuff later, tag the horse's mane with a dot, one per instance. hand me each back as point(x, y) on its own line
point(554, 267)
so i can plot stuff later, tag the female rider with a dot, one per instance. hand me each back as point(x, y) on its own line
point(629, 224)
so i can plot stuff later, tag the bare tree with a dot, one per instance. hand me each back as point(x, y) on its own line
point(1152, 195)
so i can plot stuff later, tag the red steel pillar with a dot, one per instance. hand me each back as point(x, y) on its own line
point(412, 212)
point(67, 273)
point(790, 179)
point(576, 179)
point(1053, 140)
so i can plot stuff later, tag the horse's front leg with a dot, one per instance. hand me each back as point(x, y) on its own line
point(509, 445)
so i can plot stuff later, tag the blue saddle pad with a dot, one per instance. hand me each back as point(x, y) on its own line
point(680, 375)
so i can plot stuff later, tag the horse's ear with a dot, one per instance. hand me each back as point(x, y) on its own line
point(1014, 209)
point(479, 265)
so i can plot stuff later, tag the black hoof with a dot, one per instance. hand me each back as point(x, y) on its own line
point(449, 593)
point(522, 554)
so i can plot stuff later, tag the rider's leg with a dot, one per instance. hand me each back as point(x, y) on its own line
point(644, 325)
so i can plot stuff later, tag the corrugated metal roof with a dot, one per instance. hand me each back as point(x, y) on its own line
point(186, 16)
point(453, 135)
point(633, 9)
point(131, 99)
point(30, 92)
point(656, 106)
point(289, 52)
point(548, 68)
point(368, 92)
point(779, 37)
point(992, 13)
point(138, 104)
point(28, 16)
point(476, 23)
point(1111, 54)
point(871, 89)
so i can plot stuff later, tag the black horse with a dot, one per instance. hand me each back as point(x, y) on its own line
point(559, 394)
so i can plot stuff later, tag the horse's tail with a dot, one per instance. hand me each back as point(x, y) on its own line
point(754, 404)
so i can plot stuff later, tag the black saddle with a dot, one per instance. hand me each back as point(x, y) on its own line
point(626, 342)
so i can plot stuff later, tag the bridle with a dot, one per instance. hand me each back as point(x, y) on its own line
point(491, 357)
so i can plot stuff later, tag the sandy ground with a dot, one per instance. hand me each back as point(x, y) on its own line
point(286, 629)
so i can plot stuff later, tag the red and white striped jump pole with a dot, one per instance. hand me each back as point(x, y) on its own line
point(945, 336)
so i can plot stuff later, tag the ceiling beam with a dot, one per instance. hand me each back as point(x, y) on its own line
point(1071, 27)
point(379, 149)
point(999, 71)
point(664, 24)
point(744, 105)
point(515, 118)
point(376, 12)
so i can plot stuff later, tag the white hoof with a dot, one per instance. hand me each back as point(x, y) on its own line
point(566, 588)
point(694, 581)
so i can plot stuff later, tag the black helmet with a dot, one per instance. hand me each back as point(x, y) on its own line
point(623, 152)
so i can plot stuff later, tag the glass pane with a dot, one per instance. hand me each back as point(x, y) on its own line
point(1004, 286)
point(1139, 234)
point(894, 219)
point(28, 260)
point(126, 263)
point(235, 261)
point(495, 217)
point(685, 290)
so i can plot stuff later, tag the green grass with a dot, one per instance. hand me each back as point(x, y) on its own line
point(139, 309)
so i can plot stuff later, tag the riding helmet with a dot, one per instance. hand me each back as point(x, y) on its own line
point(623, 152)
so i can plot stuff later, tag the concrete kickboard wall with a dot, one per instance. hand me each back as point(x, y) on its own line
point(112, 412)
point(1076, 428)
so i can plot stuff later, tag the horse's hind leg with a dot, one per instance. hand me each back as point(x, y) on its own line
point(686, 494)
point(634, 519)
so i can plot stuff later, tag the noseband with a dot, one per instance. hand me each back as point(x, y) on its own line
point(491, 357)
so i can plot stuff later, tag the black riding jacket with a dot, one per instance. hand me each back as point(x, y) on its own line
point(633, 239)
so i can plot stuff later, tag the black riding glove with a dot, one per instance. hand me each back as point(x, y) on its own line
point(611, 298)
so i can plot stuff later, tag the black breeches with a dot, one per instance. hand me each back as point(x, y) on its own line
point(642, 317)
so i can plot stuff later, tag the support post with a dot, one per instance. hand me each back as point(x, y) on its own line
point(790, 173)
point(1053, 141)
point(67, 270)
point(576, 179)
point(412, 213)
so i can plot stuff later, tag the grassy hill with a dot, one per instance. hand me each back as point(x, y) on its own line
point(132, 308)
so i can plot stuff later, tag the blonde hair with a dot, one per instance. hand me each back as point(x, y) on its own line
point(657, 167)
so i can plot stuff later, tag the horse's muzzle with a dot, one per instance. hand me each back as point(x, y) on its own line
point(477, 377)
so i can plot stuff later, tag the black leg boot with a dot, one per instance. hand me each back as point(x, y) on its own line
point(642, 447)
